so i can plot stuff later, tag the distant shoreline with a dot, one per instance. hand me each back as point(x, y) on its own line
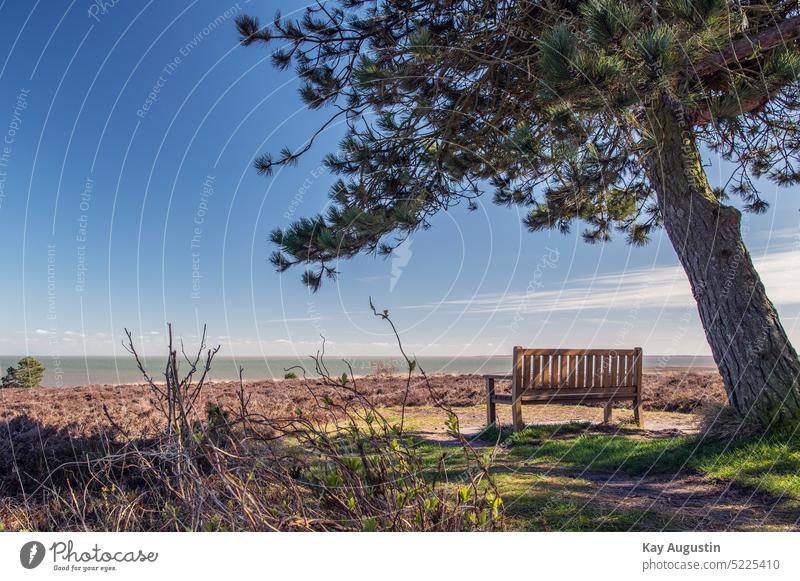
point(388, 376)
point(72, 371)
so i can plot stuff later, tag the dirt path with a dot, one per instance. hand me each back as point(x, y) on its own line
point(688, 501)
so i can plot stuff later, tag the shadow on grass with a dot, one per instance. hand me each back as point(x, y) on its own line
point(575, 477)
point(768, 465)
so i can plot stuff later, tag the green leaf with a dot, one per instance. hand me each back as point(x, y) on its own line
point(609, 20)
point(655, 46)
point(421, 43)
point(557, 49)
point(369, 524)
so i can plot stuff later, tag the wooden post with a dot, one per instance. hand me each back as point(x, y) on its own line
point(491, 413)
point(607, 412)
point(638, 412)
point(516, 390)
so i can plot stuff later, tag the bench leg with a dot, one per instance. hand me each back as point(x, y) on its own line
point(638, 412)
point(607, 412)
point(491, 408)
point(516, 414)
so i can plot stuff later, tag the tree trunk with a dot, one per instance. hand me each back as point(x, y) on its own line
point(758, 364)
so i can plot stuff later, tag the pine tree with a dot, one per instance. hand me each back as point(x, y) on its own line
point(28, 373)
point(594, 112)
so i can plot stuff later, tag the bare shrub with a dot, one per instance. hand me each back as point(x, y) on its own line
point(338, 465)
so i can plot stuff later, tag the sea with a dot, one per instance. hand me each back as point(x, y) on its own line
point(72, 370)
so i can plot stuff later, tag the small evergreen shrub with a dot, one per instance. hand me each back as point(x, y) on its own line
point(28, 373)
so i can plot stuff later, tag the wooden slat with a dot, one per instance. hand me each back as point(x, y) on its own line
point(597, 375)
point(555, 374)
point(564, 379)
point(536, 371)
point(576, 401)
point(555, 378)
point(508, 376)
point(598, 371)
point(575, 391)
point(561, 396)
point(589, 381)
point(607, 370)
point(570, 369)
point(545, 372)
point(577, 351)
point(622, 362)
point(526, 371)
point(558, 396)
point(561, 373)
point(581, 376)
point(615, 370)
point(628, 370)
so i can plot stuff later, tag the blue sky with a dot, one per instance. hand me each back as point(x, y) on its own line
point(128, 199)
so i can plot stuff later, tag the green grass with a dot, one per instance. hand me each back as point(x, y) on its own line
point(532, 433)
point(537, 503)
point(770, 466)
point(601, 453)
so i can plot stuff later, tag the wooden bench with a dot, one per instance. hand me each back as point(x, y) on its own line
point(569, 376)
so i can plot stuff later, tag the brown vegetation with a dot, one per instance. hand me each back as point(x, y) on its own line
point(56, 418)
point(179, 456)
point(76, 420)
point(78, 411)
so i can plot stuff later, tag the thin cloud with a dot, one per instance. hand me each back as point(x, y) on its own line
point(296, 319)
point(660, 287)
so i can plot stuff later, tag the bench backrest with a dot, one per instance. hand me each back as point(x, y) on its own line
point(586, 369)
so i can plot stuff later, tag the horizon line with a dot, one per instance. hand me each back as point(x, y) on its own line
point(126, 355)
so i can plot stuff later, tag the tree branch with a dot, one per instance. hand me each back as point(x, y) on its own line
point(785, 32)
point(704, 115)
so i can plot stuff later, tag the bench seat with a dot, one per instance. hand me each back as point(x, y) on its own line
point(561, 396)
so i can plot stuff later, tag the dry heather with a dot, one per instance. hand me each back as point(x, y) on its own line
point(79, 411)
point(57, 419)
point(185, 455)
